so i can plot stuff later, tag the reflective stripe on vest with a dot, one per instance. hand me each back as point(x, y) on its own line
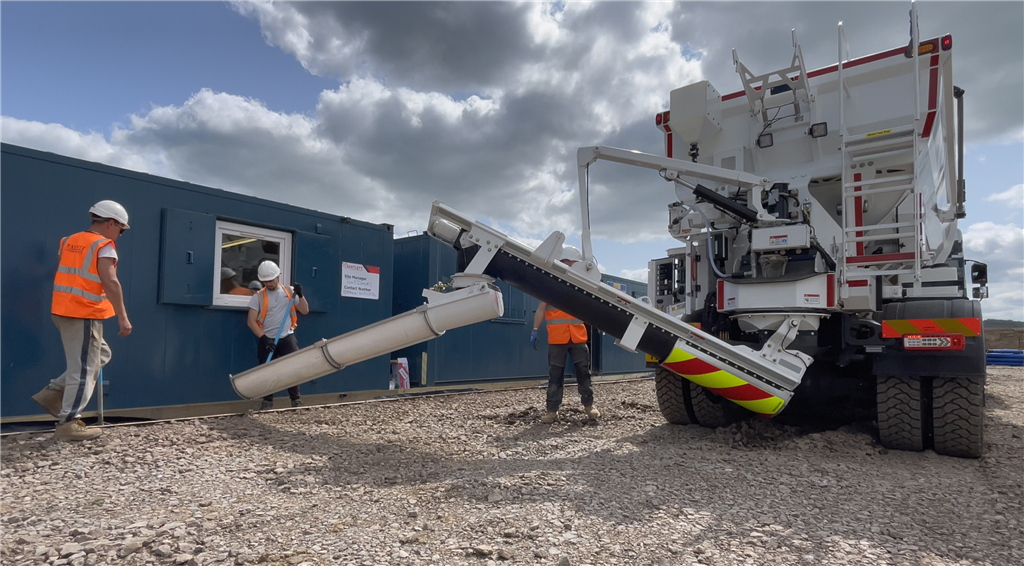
point(262, 314)
point(77, 288)
point(564, 328)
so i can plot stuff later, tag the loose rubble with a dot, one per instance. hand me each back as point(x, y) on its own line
point(476, 479)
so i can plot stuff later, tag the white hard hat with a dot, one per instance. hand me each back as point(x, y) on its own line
point(227, 273)
point(110, 209)
point(571, 253)
point(268, 270)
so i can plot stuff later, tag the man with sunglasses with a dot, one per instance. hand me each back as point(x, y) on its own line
point(86, 291)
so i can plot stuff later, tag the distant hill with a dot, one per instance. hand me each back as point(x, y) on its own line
point(1000, 323)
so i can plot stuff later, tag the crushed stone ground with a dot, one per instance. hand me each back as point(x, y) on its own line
point(476, 479)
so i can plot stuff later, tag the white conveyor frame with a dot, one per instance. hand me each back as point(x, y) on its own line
point(637, 326)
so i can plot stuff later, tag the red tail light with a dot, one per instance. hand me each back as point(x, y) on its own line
point(947, 42)
point(933, 342)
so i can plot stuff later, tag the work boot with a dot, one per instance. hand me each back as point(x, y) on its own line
point(296, 402)
point(50, 400)
point(76, 430)
point(266, 405)
point(592, 412)
point(549, 417)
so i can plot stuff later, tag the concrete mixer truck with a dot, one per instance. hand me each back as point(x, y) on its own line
point(819, 254)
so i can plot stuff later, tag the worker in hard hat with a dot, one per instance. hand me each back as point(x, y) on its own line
point(566, 335)
point(86, 292)
point(272, 314)
point(229, 283)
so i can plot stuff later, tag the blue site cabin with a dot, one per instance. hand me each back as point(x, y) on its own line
point(188, 335)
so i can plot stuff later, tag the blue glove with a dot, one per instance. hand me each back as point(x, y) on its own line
point(533, 339)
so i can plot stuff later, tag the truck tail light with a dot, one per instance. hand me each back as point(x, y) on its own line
point(947, 42)
point(933, 342)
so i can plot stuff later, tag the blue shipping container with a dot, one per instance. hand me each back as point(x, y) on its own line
point(183, 346)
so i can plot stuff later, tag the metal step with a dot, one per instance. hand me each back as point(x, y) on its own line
point(893, 132)
point(874, 146)
point(864, 193)
point(891, 226)
point(884, 154)
point(879, 237)
point(880, 180)
point(880, 258)
point(882, 272)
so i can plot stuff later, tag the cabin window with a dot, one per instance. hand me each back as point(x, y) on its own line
point(239, 251)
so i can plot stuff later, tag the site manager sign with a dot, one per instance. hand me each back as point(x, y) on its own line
point(362, 282)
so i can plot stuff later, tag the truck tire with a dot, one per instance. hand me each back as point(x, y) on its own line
point(958, 415)
point(683, 402)
point(673, 396)
point(900, 413)
point(712, 411)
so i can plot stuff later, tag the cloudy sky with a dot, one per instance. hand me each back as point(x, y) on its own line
point(373, 110)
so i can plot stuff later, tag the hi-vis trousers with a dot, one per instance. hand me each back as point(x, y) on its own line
point(86, 353)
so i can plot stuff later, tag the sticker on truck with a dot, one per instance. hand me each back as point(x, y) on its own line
point(812, 299)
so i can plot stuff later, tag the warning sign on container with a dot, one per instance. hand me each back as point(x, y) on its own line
point(360, 281)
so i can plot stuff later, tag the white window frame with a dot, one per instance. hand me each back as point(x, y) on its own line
point(235, 229)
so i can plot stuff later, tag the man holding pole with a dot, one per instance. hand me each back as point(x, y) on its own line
point(273, 320)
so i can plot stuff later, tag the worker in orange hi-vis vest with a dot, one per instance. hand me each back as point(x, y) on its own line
point(273, 320)
point(86, 292)
point(566, 335)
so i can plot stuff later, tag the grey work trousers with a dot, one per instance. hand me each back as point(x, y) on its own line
point(556, 373)
point(86, 352)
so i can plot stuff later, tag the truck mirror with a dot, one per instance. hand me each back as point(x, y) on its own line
point(979, 273)
point(980, 292)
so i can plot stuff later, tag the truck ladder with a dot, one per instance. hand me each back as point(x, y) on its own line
point(760, 381)
point(860, 153)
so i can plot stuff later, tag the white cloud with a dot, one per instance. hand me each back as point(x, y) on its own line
point(58, 139)
point(1013, 197)
point(634, 274)
point(1001, 247)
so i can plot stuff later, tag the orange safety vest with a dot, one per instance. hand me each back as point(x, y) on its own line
point(563, 328)
point(77, 289)
point(261, 315)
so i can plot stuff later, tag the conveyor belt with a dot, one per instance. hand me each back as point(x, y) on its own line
point(758, 381)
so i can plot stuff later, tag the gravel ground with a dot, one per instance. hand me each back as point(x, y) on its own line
point(476, 479)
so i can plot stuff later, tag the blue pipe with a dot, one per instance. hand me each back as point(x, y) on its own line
point(287, 312)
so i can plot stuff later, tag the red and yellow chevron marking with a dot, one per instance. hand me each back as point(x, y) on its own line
point(723, 383)
point(900, 328)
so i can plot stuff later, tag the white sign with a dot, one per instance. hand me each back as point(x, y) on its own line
point(360, 281)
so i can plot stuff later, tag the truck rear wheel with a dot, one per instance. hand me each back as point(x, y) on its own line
point(673, 396)
point(958, 415)
point(683, 402)
point(713, 411)
point(900, 413)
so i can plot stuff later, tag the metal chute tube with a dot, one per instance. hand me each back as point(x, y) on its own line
point(445, 311)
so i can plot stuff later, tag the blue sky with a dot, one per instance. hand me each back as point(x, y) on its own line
point(373, 112)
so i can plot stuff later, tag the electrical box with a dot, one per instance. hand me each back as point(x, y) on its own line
point(791, 237)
